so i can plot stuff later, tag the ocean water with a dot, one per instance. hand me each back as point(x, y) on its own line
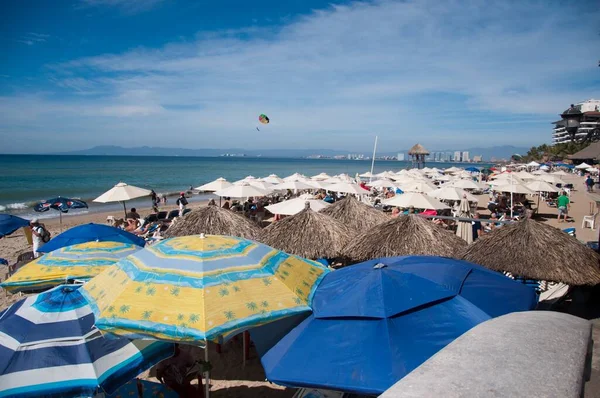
point(27, 179)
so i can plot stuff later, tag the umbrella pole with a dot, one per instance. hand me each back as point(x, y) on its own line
point(206, 374)
point(124, 210)
point(60, 217)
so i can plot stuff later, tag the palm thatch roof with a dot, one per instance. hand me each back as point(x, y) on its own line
point(213, 220)
point(534, 250)
point(307, 234)
point(418, 149)
point(403, 236)
point(355, 214)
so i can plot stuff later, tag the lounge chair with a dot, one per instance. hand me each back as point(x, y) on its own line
point(172, 214)
point(161, 215)
point(23, 259)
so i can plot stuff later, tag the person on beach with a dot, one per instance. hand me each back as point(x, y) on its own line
point(477, 227)
point(212, 203)
point(39, 236)
point(133, 214)
point(395, 212)
point(564, 203)
point(589, 183)
point(182, 203)
point(226, 205)
point(164, 199)
point(154, 198)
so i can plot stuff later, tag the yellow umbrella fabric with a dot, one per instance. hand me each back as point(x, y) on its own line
point(201, 288)
point(81, 261)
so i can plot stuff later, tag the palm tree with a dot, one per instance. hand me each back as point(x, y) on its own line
point(252, 306)
point(146, 314)
point(230, 315)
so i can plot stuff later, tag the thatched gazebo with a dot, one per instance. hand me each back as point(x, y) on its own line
point(213, 220)
point(307, 234)
point(355, 214)
point(533, 250)
point(403, 236)
point(417, 154)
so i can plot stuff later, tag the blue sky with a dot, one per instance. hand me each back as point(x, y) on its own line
point(175, 73)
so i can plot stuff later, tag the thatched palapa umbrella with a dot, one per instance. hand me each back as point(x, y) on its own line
point(534, 250)
point(357, 215)
point(213, 220)
point(308, 234)
point(403, 236)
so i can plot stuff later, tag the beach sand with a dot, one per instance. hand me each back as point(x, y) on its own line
point(229, 377)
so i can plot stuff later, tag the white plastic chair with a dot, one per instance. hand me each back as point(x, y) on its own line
point(589, 220)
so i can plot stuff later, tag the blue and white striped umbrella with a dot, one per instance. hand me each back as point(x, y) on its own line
point(50, 347)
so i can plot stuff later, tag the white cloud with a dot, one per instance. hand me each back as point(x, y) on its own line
point(444, 73)
point(32, 38)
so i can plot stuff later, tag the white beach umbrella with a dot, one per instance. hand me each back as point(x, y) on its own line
point(368, 174)
point(404, 178)
point(260, 184)
point(347, 187)
point(559, 173)
point(464, 229)
point(122, 192)
point(583, 166)
point(538, 172)
point(452, 170)
point(216, 185)
point(293, 185)
point(316, 184)
point(464, 184)
point(417, 186)
point(295, 206)
point(345, 178)
point(295, 177)
point(544, 167)
point(533, 164)
point(382, 183)
point(541, 186)
point(452, 193)
point(441, 177)
point(513, 188)
point(333, 180)
point(273, 179)
point(592, 170)
point(321, 177)
point(551, 178)
point(243, 190)
point(416, 200)
point(524, 175)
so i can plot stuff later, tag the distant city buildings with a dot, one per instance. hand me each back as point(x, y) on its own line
point(477, 158)
point(465, 156)
point(456, 157)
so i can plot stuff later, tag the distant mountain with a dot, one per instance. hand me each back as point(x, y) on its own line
point(499, 152)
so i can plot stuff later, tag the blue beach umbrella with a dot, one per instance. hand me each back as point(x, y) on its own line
point(375, 322)
point(50, 347)
point(10, 223)
point(61, 204)
point(472, 169)
point(90, 233)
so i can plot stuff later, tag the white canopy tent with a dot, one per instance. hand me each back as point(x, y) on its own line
point(583, 166)
point(533, 164)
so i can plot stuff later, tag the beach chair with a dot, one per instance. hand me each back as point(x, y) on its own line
point(589, 220)
point(23, 259)
point(162, 215)
point(173, 214)
point(110, 220)
point(571, 231)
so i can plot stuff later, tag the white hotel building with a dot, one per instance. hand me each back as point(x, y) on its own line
point(590, 121)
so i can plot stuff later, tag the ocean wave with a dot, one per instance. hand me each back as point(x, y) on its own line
point(14, 206)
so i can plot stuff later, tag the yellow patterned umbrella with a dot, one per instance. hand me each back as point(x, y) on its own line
point(82, 261)
point(201, 288)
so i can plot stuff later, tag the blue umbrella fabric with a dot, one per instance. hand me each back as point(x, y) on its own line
point(10, 223)
point(375, 322)
point(50, 347)
point(61, 204)
point(148, 389)
point(91, 233)
point(473, 169)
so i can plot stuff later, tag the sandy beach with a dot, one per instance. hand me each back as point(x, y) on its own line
point(230, 378)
